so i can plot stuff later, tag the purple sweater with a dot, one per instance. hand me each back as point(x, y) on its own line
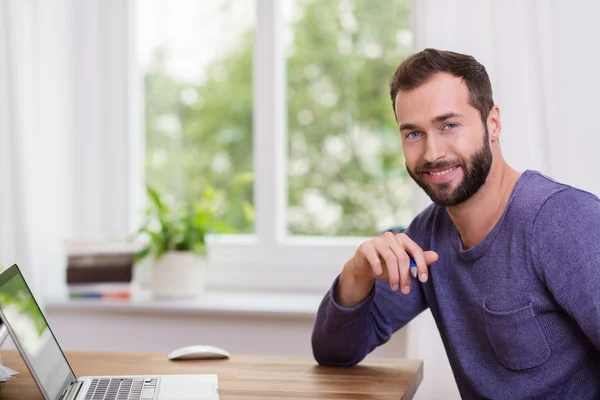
point(519, 314)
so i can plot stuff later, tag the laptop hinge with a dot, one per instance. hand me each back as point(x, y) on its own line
point(71, 391)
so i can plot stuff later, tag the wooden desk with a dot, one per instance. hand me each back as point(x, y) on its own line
point(243, 377)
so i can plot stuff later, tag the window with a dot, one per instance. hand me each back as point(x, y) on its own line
point(196, 58)
point(346, 173)
point(284, 107)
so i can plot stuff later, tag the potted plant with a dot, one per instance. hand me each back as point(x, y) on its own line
point(176, 241)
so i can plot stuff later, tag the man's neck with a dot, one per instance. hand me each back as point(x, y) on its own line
point(476, 217)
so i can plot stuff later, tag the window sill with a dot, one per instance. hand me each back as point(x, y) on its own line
point(210, 303)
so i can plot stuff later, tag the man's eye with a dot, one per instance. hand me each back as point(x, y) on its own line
point(413, 135)
point(450, 126)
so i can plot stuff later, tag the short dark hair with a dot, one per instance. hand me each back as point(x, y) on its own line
point(420, 67)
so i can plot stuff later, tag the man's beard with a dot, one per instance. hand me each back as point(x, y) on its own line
point(475, 174)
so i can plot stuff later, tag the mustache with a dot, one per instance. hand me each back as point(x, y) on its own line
point(437, 165)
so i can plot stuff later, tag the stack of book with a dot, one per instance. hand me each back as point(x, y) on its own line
point(100, 270)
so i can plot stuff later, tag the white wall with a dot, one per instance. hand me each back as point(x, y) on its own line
point(164, 332)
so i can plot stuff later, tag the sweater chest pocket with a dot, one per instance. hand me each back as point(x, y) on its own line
point(516, 337)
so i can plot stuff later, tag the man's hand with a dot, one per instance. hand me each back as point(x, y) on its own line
point(387, 258)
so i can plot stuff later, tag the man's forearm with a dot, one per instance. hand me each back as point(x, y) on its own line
point(349, 292)
point(342, 336)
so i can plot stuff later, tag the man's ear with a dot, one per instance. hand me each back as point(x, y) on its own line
point(493, 123)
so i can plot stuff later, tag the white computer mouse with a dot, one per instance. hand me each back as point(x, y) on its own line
point(198, 352)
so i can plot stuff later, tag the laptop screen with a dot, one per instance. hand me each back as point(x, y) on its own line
point(32, 335)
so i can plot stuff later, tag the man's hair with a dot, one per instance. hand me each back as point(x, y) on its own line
point(422, 66)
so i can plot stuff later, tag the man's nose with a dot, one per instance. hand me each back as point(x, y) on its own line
point(434, 149)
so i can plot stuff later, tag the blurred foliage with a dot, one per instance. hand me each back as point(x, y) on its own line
point(20, 308)
point(181, 229)
point(345, 166)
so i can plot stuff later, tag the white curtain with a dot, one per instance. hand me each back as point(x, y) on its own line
point(542, 57)
point(34, 134)
point(8, 236)
point(65, 135)
point(19, 113)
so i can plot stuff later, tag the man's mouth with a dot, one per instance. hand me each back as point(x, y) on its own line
point(441, 172)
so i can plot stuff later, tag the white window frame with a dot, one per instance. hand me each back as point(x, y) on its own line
point(271, 259)
point(267, 260)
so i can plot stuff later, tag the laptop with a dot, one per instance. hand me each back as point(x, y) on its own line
point(54, 376)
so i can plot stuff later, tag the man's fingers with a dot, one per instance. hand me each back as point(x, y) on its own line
point(417, 254)
point(403, 264)
point(430, 257)
point(391, 262)
point(368, 252)
point(395, 252)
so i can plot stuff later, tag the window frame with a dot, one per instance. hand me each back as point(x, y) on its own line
point(269, 259)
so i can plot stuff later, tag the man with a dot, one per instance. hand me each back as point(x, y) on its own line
point(507, 262)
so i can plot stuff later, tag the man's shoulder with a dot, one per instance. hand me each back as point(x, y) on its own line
point(559, 204)
point(552, 195)
point(567, 228)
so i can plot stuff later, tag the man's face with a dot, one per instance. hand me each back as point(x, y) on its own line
point(445, 143)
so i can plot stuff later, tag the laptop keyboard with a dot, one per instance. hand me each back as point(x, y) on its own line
point(122, 389)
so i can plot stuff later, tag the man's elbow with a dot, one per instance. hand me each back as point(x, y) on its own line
point(336, 362)
point(329, 355)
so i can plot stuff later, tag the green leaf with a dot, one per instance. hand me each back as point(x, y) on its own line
point(156, 201)
point(140, 255)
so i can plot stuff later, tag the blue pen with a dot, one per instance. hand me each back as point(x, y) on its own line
point(413, 267)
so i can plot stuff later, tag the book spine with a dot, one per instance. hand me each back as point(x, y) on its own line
point(99, 274)
point(113, 260)
point(100, 295)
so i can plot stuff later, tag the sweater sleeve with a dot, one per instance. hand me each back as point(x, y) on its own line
point(566, 253)
point(344, 336)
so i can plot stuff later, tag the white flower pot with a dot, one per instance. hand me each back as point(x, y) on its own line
point(178, 275)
